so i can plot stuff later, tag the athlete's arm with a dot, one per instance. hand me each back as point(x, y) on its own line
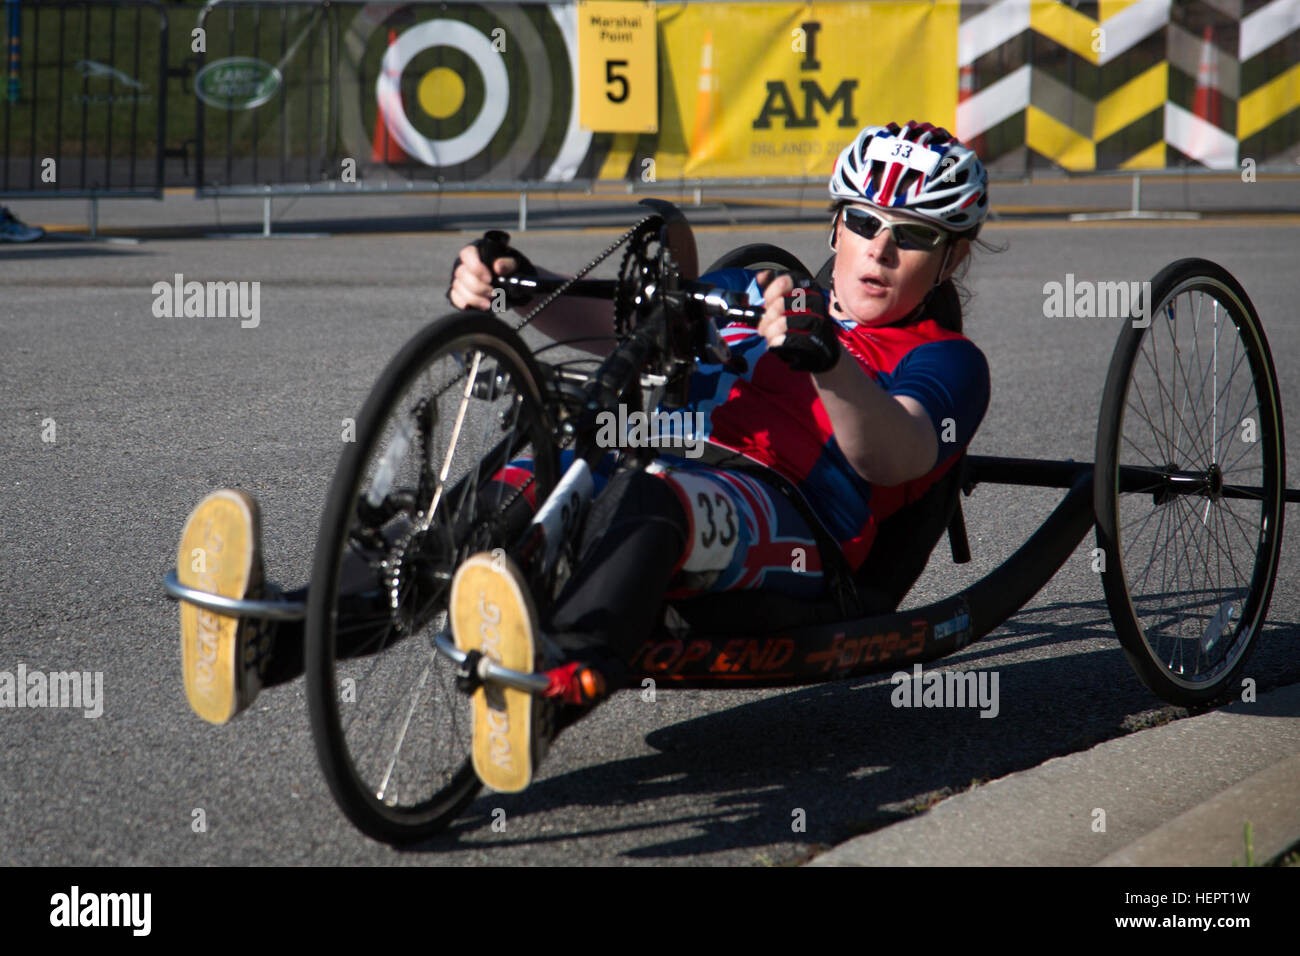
point(570, 317)
point(886, 439)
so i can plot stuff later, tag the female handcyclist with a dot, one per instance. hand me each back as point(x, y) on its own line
point(858, 396)
point(861, 396)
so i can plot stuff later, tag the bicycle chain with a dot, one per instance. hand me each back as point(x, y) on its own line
point(654, 219)
point(587, 268)
point(392, 565)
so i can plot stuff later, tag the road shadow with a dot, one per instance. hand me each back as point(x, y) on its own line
point(844, 758)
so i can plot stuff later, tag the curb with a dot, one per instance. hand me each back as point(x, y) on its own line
point(1211, 834)
point(1174, 795)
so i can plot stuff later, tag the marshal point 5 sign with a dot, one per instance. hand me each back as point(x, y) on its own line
point(618, 62)
point(237, 83)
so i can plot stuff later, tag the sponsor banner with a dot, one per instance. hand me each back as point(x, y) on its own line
point(503, 92)
point(778, 89)
point(592, 90)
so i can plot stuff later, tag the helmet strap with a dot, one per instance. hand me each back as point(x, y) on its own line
point(947, 254)
point(919, 311)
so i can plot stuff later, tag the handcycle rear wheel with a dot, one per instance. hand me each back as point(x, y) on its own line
point(459, 402)
point(1192, 528)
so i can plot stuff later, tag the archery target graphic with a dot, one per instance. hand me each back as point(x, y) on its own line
point(455, 100)
point(446, 85)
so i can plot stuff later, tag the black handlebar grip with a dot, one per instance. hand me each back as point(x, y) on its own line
point(493, 246)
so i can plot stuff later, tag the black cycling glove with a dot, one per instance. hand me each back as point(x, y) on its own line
point(495, 245)
point(812, 341)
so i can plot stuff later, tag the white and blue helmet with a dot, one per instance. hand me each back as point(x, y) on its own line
point(920, 168)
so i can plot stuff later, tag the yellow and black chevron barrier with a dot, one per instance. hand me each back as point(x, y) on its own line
point(1131, 84)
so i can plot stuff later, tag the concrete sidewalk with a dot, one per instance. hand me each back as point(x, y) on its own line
point(1175, 795)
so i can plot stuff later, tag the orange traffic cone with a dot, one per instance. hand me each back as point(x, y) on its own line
point(383, 148)
point(965, 90)
point(1205, 102)
point(705, 105)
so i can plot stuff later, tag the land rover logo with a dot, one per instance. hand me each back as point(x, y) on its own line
point(237, 83)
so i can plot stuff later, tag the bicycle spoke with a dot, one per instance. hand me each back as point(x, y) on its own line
point(1242, 454)
point(1150, 425)
point(1173, 402)
point(1231, 378)
point(401, 737)
point(470, 378)
point(1149, 460)
point(1197, 432)
point(1197, 449)
point(1155, 552)
point(1154, 363)
point(1144, 521)
point(1221, 538)
point(1250, 543)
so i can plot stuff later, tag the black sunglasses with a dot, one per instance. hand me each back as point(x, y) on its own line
point(906, 235)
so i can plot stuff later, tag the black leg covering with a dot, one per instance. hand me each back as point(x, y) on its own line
point(286, 661)
point(633, 538)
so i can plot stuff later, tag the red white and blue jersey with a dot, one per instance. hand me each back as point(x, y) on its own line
point(773, 414)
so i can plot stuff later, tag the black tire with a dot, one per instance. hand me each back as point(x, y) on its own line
point(395, 748)
point(1188, 633)
point(762, 255)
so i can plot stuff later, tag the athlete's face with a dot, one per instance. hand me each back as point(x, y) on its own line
point(876, 281)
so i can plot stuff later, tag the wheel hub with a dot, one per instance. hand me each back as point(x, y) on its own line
point(1214, 482)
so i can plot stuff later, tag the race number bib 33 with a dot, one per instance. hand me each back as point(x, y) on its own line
point(715, 523)
point(910, 155)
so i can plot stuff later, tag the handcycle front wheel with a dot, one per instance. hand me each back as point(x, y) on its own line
point(420, 489)
point(1190, 483)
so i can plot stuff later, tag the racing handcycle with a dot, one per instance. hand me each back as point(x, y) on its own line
point(1186, 497)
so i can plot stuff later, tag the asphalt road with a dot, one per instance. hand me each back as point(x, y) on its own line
point(150, 413)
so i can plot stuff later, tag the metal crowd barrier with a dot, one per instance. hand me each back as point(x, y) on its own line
point(85, 99)
point(285, 103)
point(240, 146)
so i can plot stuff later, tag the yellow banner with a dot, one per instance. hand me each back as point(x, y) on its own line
point(778, 89)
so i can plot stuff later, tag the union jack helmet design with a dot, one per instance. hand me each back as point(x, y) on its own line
point(918, 167)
